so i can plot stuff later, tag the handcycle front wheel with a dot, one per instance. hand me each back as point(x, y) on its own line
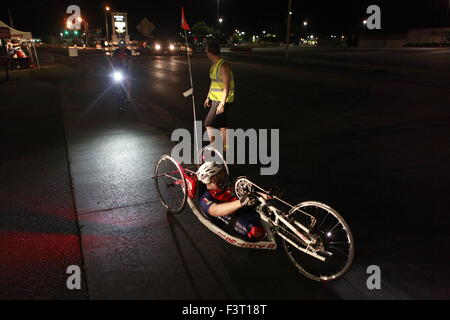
point(333, 240)
point(170, 184)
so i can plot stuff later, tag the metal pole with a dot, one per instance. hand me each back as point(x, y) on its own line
point(107, 28)
point(86, 29)
point(11, 22)
point(218, 6)
point(288, 31)
point(36, 55)
point(196, 142)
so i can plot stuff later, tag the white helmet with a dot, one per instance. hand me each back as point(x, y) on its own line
point(207, 170)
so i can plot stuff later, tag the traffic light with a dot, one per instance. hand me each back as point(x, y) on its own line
point(66, 32)
point(75, 32)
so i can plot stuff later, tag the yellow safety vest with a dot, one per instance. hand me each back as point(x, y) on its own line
point(216, 91)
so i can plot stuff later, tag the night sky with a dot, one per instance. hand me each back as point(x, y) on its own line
point(44, 17)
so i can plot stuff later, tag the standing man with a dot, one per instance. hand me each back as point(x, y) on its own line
point(221, 93)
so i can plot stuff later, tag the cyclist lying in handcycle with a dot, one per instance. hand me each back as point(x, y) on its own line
point(220, 202)
point(315, 237)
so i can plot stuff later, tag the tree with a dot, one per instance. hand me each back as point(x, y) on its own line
point(201, 29)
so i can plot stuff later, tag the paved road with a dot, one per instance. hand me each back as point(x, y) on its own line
point(423, 59)
point(371, 144)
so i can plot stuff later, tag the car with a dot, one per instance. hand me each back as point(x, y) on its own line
point(111, 48)
point(166, 47)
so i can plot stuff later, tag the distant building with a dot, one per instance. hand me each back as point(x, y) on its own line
point(429, 36)
point(380, 40)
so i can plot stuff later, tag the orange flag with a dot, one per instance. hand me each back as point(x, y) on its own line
point(184, 24)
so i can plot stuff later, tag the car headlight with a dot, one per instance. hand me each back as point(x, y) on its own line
point(158, 47)
point(172, 47)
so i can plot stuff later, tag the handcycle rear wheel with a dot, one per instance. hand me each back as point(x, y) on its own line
point(170, 184)
point(333, 241)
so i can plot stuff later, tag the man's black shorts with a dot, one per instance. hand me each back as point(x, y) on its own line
point(217, 121)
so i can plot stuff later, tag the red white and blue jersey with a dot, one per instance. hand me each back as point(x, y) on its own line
point(243, 221)
point(211, 197)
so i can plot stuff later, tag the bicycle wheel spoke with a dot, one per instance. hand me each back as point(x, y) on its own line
point(323, 220)
point(338, 250)
point(335, 226)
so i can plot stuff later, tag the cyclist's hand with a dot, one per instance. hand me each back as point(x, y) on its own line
point(207, 103)
point(220, 108)
point(265, 196)
point(248, 201)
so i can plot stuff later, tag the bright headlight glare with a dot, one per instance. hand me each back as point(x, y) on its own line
point(118, 76)
point(172, 47)
point(157, 47)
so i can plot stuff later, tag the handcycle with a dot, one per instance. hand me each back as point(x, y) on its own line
point(314, 236)
point(119, 77)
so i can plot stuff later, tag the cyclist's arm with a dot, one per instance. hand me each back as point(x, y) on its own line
point(224, 209)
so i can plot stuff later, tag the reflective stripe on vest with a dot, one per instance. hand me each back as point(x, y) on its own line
point(216, 91)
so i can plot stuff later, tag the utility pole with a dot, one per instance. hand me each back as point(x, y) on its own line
point(218, 11)
point(288, 31)
point(86, 28)
point(11, 23)
point(107, 9)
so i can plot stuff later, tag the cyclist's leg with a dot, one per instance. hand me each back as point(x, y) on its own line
point(249, 224)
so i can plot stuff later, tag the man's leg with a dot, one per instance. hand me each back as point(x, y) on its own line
point(211, 135)
point(224, 132)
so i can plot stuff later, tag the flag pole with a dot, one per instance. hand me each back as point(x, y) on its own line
point(196, 142)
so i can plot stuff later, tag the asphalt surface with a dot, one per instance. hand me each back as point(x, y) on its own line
point(418, 59)
point(374, 145)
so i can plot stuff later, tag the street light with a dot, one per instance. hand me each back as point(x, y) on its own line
point(305, 23)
